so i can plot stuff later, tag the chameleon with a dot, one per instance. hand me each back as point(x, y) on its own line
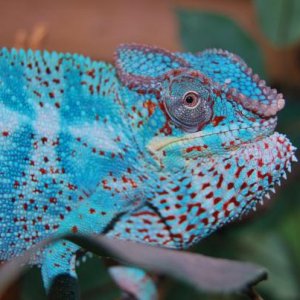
point(159, 147)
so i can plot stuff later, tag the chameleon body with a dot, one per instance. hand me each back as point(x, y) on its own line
point(160, 148)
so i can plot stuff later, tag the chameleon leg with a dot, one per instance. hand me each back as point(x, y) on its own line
point(135, 283)
point(59, 258)
point(58, 271)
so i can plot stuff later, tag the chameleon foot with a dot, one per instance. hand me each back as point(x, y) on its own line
point(135, 283)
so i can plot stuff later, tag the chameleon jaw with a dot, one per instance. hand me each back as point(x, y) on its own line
point(266, 128)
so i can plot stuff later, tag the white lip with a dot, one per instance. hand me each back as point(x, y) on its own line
point(159, 143)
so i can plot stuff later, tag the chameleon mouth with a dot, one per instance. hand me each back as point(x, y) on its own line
point(239, 133)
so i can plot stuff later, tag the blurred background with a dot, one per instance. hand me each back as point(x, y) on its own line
point(266, 33)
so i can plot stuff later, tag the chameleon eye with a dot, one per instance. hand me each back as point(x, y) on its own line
point(188, 100)
point(191, 99)
point(191, 111)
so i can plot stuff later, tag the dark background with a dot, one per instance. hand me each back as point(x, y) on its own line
point(266, 33)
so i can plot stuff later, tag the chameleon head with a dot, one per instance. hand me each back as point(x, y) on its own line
point(211, 129)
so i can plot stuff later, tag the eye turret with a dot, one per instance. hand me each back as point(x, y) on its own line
point(188, 102)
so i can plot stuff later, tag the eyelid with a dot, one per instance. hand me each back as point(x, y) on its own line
point(191, 92)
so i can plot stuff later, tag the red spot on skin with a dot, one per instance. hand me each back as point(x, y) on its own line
point(205, 221)
point(43, 171)
point(244, 185)
point(71, 187)
point(200, 209)
point(211, 169)
point(189, 185)
point(170, 218)
point(221, 178)
point(260, 175)
point(146, 221)
point(238, 172)
point(5, 133)
point(166, 128)
point(230, 185)
point(179, 197)
point(190, 227)
point(205, 185)
point(182, 179)
point(216, 216)
point(231, 200)
point(92, 210)
point(44, 140)
point(191, 239)
point(228, 166)
point(176, 189)
point(16, 184)
point(91, 89)
point(193, 148)
point(91, 73)
point(52, 200)
point(216, 120)
point(210, 195)
point(182, 219)
point(163, 193)
point(143, 213)
point(37, 93)
point(74, 229)
point(250, 172)
point(150, 106)
point(270, 178)
point(217, 200)
point(193, 195)
point(176, 236)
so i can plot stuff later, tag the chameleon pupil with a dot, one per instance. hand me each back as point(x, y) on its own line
point(189, 99)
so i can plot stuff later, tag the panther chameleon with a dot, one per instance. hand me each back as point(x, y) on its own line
point(160, 148)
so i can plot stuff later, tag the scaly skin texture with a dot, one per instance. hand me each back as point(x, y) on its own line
point(94, 148)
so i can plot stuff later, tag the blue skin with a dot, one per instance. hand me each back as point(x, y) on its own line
point(84, 143)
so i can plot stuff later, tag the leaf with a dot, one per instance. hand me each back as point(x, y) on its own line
point(32, 285)
point(201, 30)
point(280, 20)
point(270, 249)
point(204, 273)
